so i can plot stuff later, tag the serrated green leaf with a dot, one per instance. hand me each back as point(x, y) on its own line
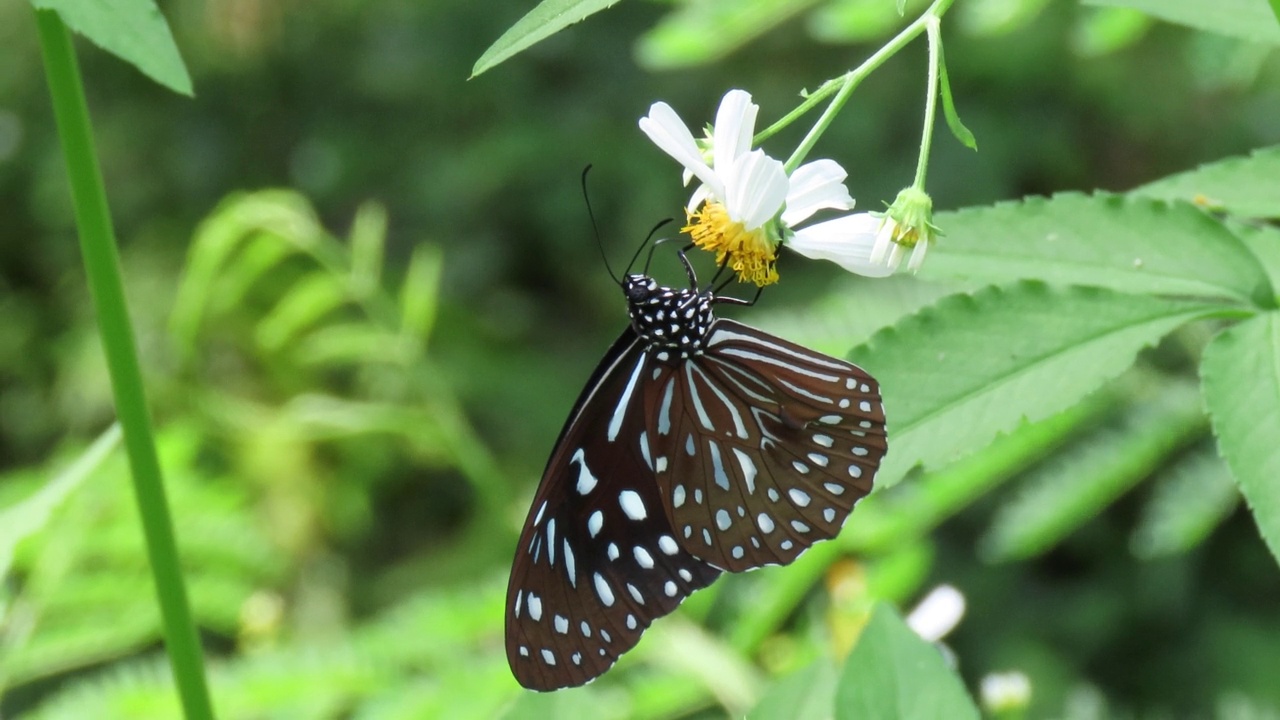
point(1188, 502)
point(1241, 186)
point(851, 311)
point(1241, 371)
point(700, 32)
point(1133, 245)
point(892, 673)
point(1264, 241)
point(808, 694)
point(1247, 19)
point(132, 30)
point(545, 20)
point(1087, 476)
point(957, 374)
point(962, 133)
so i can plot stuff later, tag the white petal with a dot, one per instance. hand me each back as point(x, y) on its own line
point(698, 196)
point(755, 188)
point(815, 186)
point(884, 239)
point(735, 125)
point(917, 255)
point(665, 128)
point(846, 241)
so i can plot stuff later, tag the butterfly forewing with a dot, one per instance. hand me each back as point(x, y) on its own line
point(597, 559)
point(767, 446)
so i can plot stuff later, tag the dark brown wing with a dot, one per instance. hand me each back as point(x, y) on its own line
point(597, 560)
point(767, 446)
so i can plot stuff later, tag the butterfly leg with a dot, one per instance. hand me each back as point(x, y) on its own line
point(738, 301)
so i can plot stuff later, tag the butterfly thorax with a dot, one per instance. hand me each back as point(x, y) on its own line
point(674, 323)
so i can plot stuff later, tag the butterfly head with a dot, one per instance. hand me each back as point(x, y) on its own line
point(673, 322)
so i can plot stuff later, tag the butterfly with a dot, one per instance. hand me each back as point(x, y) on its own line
point(699, 445)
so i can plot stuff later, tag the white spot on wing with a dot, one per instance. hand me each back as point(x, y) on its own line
point(643, 557)
point(748, 469)
point(723, 521)
point(603, 591)
point(631, 504)
point(765, 522)
point(586, 481)
point(620, 411)
point(668, 544)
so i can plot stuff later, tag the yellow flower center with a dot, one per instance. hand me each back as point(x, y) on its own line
point(751, 254)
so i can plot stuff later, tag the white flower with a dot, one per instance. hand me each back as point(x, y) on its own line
point(1004, 692)
point(937, 614)
point(746, 203)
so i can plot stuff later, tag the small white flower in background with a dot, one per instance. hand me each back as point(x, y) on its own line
point(746, 203)
point(1004, 693)
point(937, 614)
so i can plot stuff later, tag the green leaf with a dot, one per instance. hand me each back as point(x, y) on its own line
point(132, 30)
point(856, 21)
point(545, 20)
point(808, 694)
point(1241, 371)
point(28, 517)
point(851, 311)
point(1131, 245)
point(307, 302)
point(957, 374)
point(1195, 495)
point(1107, 30)
point(701, 32)
point(1087, 476)
point(1247, 19)
point(892, 673)
point(962, 133)
point(419, 294)
point(1264, 241)
point(1242, 186)
point(575, 704)
point(368, 246)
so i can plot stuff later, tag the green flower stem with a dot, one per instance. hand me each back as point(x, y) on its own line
point(842, 87)
point(102, 266)
point(930, 101)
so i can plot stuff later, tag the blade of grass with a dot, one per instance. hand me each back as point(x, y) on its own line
point(102, 267)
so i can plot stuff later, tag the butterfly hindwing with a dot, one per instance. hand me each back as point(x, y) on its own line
point(597, 560)
point(769, 446)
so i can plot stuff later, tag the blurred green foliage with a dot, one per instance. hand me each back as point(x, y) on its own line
point(357, 381)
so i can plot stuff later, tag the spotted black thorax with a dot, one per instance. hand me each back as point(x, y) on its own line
point(668, 319)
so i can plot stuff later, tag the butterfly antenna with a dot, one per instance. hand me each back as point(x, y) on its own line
point(596, 228)
point(653, 247)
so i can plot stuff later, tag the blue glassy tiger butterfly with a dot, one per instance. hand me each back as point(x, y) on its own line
point(699, 445)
